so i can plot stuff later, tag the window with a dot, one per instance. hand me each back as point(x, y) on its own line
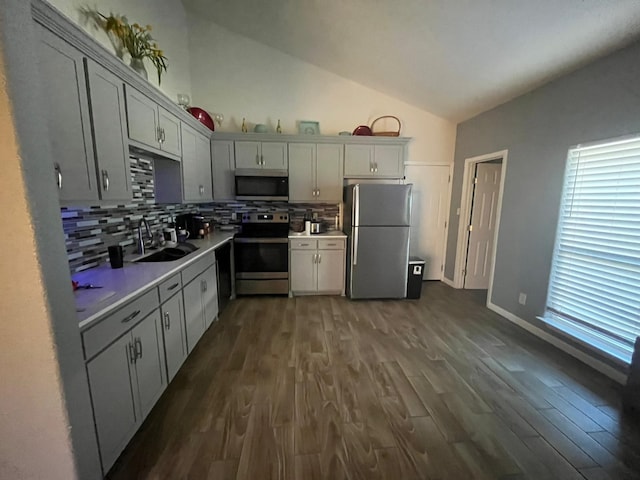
point(594, 289)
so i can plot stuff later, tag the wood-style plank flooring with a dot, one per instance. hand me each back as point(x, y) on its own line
point(436, 388)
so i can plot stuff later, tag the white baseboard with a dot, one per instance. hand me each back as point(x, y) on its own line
point(565, 347)
point(446, 281)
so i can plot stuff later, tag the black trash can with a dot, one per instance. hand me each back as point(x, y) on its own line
point(414, 277)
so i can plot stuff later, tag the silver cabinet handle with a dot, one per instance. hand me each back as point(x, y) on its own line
point(58, 171)
point(304, 244)
point(164, 136)
point(371, 167)
point(203, 285)
point(173, 286)
point(313, 259)
point(375, 167)
point(131, 317)
point(105, 180)
point(167, 321)
point(201, 189)
point(317, 193)
point(159, 134)
point(132, 353)
point(138, 344)
point(319, 258)
point(257, 159)
point(261, 159)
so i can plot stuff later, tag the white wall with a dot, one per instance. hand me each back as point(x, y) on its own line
point(169, 22)
point(239, 77)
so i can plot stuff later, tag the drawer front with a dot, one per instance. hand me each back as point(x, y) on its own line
point(170, 287)
point(195, 269)
point(331, 244)
point(303, 244)
point(110, 328)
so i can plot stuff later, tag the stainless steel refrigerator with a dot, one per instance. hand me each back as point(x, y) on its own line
point(377, 223)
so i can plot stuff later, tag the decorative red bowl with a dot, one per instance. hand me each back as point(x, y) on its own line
point(363, 130)
point(203, 117)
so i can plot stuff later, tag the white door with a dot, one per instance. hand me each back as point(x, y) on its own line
point(483, 224)
point(429, 212)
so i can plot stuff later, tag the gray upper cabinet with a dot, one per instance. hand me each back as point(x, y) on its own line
point(108, 118)
point(374, 161)
point(67, 113)
point(196, 166)
point(261, 155)
point(223, 164)
point(315, 172)
point(152, 127)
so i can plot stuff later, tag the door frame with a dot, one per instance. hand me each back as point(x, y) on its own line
point(465, 215)
point(445, 232)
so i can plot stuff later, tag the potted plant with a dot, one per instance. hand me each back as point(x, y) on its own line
point(134, 39)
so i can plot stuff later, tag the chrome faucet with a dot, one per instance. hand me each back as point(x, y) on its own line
point(141, 246)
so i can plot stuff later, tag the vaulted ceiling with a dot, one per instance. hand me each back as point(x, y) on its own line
point(453, 58)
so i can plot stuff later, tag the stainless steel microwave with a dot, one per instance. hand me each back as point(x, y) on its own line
point(258, 184)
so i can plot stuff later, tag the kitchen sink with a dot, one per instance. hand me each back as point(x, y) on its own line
point(169, 254)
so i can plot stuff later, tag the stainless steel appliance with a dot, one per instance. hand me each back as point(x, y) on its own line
point(261, 252)
point(258, 184)
point(377, 222)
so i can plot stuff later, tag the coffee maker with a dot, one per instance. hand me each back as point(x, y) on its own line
point(193, 223)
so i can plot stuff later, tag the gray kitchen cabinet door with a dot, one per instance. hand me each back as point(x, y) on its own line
point(67, 114)
point(248, 154)
point(210, 295)
point(170, 132)
point(108, 117)
point(142, 116)
point(150, 373)
point(223, 163)
point(358, 161)
point(389, 161)
point(113, 390)
point(302, 172)
point(203, 157)
point(274, 155)
point(194, 323)
point(175, 344)
point(303, 271)
point(329, 168)
point(330, 265)
point(191, 181)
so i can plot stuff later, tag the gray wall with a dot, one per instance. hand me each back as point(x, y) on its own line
point(599, 101)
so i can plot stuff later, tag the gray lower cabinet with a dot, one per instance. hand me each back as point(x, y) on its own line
point(317, 266)
point(126, 380)
point(196, 166)
point(67, 113)
point(108, 119)
point(223, 163)
point(200, 304)
point(175, 342)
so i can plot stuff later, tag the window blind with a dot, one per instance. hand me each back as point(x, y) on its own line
point(594, 290)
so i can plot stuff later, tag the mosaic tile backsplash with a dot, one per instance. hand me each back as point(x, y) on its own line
point(90, 230)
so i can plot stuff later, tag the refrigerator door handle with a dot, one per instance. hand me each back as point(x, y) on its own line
point(356, 206)
point(355, 247)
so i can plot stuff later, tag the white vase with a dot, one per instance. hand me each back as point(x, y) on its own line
point(138, 65)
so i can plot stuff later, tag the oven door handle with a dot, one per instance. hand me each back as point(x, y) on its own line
point(260, 240)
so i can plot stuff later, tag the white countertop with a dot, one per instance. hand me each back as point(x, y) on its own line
point(329, 234)
point(123, 284)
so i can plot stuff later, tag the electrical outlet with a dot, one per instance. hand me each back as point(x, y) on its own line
point(522, 299)
point(234, 216)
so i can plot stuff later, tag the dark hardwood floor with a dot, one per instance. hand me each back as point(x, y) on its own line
point(437, 388)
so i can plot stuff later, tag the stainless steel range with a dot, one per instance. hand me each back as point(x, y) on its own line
point(262, 254)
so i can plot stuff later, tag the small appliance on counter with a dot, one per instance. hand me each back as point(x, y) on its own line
point(194, 223)
point(316, 226)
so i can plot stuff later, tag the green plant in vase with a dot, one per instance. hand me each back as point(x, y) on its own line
point(134, 39)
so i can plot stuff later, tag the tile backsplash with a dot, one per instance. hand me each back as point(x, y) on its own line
point(90, 230)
